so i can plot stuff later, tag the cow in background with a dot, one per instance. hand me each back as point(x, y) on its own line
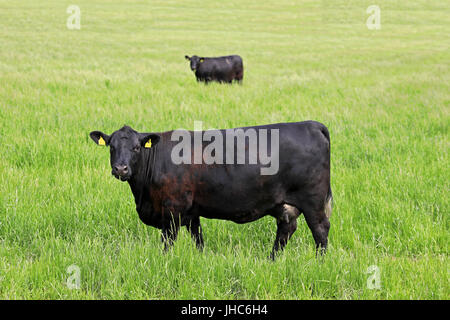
point(220, 69)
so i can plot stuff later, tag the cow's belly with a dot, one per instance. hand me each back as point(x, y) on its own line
point(232, 215)
point(240, 206)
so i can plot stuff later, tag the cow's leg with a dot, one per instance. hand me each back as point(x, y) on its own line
point(195, 229)
point(169, 234)
point(239, 77)
point(319, 224)
point(286, 216)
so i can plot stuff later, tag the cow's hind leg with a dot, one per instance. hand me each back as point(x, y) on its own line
point(239, 76)
point(319, 224)
point(195, 229)
point(286, 216)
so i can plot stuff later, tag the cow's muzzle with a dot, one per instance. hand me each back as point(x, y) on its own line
point(121, 172)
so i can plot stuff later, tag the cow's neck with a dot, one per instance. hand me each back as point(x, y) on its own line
point(140, 183)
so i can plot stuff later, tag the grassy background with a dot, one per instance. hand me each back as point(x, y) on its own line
point(383, 94)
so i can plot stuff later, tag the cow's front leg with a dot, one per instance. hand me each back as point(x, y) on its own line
point(286, 225)
point(195, 229)
point(169, 234)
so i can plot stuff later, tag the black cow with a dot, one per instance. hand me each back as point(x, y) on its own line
point(221, 69)
point(170, 195)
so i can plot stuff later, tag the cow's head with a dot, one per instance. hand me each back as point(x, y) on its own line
point(195, 61)
point(126, 147)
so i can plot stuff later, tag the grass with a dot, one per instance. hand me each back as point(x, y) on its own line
point(384, 95)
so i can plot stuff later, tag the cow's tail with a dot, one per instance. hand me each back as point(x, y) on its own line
point(329, 199)
point(325, 132)
point(329, 203)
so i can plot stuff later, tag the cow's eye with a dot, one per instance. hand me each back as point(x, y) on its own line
point(111, 148)
point(136, 148)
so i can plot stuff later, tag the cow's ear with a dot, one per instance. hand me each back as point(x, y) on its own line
point(187, 58)
point(100, 138)
point(202, 59)
point(148, 140)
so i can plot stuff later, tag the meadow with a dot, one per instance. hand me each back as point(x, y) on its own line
point(384, 95)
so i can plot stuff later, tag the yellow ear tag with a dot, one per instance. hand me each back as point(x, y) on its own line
point(148, 144)
point(101, 142)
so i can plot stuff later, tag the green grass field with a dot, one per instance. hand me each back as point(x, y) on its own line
point(384, 95)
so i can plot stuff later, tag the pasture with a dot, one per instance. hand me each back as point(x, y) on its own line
point(384, 95)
